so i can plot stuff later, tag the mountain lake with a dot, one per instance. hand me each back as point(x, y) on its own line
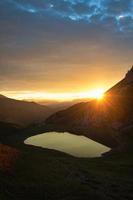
point(75, 145)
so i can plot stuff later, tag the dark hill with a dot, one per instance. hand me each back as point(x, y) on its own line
point(2, 96)
point(7, 129)
point(22, 113)
point(100, 120)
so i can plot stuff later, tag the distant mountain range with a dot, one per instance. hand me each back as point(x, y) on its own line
point(102, 121)
point(22, 113)
point(57, 105)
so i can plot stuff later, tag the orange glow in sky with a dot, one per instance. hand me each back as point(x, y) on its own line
point(32, 95)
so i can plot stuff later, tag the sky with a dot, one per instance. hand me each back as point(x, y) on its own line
point(51, 48)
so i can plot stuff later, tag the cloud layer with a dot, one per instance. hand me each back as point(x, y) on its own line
point(116, 12)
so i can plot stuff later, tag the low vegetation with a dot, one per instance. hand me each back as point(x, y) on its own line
point(40, 174)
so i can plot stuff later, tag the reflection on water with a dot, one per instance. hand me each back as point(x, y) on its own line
point(78, 146)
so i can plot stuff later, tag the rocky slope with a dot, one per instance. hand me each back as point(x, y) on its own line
point(100, 120)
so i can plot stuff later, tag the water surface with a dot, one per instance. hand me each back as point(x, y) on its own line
point(79, 146)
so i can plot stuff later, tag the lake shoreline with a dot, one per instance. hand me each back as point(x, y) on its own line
point(75, 145)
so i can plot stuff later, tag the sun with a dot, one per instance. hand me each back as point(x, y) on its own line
point(97, 94)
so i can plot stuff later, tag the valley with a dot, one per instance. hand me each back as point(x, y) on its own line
point(29, 172)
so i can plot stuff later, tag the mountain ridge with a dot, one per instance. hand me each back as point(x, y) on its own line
point(99, 120)
point(22, 113)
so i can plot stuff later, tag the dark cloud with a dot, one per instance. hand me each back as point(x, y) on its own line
point(76, 10)
point(82, 8)
point(118, 7)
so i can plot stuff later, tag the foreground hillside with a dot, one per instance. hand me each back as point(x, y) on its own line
point(32, 173)
point(39, 174)
point(7, 129)
point(22, 113)
point(102, 120)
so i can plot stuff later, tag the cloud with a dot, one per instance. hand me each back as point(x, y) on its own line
point(118, 7)
point(77, 10)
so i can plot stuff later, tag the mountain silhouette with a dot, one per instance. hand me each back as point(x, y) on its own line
point(102, 120)
point(22, 113)
point(2, 96)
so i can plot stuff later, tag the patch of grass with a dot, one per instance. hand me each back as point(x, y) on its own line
point(42, 174)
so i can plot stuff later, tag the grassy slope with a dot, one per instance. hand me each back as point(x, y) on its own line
point(39, 174)
point(46, 174)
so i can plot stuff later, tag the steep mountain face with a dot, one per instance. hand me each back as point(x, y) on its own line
point(22, 113)
point(100, 120)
